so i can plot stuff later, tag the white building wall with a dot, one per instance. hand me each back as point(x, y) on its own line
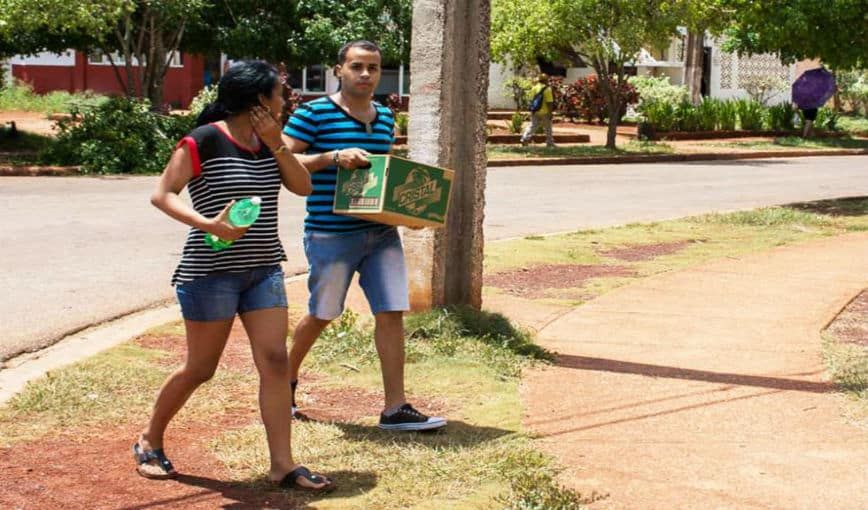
point(65, 59)
point(728, 71)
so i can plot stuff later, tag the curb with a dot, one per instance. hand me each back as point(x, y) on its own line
point(664, 158)
point(39, 171)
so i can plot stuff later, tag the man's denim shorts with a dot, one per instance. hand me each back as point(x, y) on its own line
point(219, 296)
point(378, 257)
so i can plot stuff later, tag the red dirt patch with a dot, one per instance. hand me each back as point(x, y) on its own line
point(533, 282)
point(350, 404)
point(851, 325)
point(98, 472)
point(641, 252)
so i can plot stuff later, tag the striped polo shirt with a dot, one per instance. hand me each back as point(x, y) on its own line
point(325, 126)
point(225, 170)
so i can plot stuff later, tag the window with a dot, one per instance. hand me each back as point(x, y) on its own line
point(315, 79)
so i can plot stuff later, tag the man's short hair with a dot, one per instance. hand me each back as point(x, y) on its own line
point(365, 45)
point(543, 78)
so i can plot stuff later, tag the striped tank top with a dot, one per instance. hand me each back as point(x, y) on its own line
point(225, 170)
point(325, 126)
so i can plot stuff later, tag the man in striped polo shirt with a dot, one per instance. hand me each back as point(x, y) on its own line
point(341, 130)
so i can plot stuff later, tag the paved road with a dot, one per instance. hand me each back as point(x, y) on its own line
point(81, 250)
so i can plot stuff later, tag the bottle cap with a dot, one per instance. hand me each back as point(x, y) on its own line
point(256, 200)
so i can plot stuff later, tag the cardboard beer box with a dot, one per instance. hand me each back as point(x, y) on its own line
point(395, 191)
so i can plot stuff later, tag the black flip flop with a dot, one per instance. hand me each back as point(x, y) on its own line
point(145, 457)
point(290, 481)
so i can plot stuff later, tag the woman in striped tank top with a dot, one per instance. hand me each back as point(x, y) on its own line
point(235, 152)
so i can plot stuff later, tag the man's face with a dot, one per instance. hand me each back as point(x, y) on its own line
point(360, 73)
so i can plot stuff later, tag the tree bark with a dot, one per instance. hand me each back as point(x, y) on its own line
point(693, 65)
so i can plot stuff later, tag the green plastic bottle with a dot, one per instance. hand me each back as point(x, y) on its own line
point(242, 214)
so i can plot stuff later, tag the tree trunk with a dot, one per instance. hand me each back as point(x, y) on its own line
point(693, 65)
point(613, 99)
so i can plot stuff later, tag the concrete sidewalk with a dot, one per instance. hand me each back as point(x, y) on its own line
point(705, 388)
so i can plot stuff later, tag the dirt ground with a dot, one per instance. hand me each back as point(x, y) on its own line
point(94, 469)
point(29, 121)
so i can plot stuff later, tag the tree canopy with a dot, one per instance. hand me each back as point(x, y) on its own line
point(833, 31)
point(301, 33)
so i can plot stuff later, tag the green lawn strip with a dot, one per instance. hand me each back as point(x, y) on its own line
point(111, 387)
point(706, 238)
point(575, 151)
point(23, 148)
point(20, 97)
point(856, 124)
point(470, 360)
point(795, 142)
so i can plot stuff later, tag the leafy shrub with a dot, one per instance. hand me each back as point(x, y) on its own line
point(853, 90)
point(763, 87)
point(708, 113)
point(394, 103)
point(652, 89)
point(688, 117)
point(827, 119)
point(584, 98)
point(19, 95)
point(120, 136)
point(780, 117)
point(205, 97)
point(516, 122)
point(750, 114)
point(662, 116)
point(518, 88)
point(727, 115)
point(402, 121)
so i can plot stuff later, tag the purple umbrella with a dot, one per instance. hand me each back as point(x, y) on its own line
point(813, 88)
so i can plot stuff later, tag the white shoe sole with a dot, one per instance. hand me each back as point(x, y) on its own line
point(428, 425)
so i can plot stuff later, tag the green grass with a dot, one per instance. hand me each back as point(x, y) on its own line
point(19, 96)
point(469, 361)
point(855, 124)
point(798, 143)
point(706, 237)
point(574, 151)
point(564, 151)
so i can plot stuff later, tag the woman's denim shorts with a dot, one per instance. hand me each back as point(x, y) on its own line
point(219, 296)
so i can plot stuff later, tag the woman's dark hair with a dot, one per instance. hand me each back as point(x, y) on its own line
point(239, 90)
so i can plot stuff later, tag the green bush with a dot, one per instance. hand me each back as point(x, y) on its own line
point(657, 90)
point(708, 114)
point(727, 115)
point(662, 116)
point(402, 121)
point(119, 136)
point(853, 87)
point(205, 97)
point(516, 122)
point(688, 117)
point(19, 95)
point(750, 114)
point(518, 89)
point(780, 117)
point(827, 119)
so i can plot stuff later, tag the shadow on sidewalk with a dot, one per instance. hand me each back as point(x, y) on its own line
point(757, 381)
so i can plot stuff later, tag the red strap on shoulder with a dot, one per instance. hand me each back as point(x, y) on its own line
point(194, 154)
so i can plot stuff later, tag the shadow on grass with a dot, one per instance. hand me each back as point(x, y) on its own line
point(491, 328)
point(455, 435)
point(852, 206)
point(257, 495)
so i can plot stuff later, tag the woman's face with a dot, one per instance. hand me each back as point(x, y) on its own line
point(275, 103)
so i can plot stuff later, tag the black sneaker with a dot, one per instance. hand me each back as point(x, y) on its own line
point(407, 418)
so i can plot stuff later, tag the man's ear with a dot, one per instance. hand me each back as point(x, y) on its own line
point(336, 70)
